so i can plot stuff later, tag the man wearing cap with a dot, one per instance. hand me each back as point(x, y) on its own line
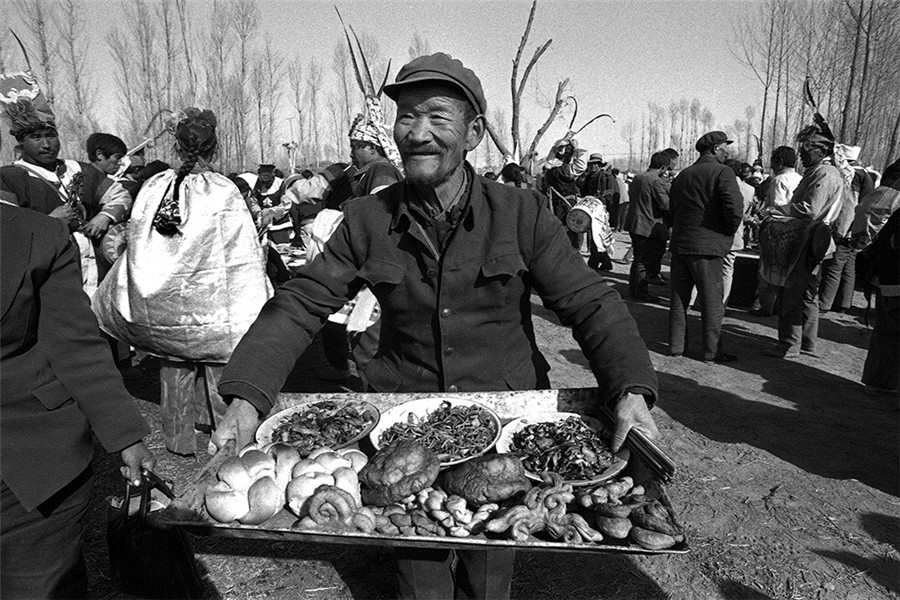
point(452, 258)
point(707, 209)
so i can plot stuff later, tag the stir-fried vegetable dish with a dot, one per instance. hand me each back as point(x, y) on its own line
point(569, 448)
point(326, 423)
point(451, 432)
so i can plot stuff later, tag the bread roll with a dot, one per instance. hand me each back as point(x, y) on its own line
point(332, 461)
point(286, 458)
point(357, 458)
point(307, 466)
point(265, 498)
point(258, 464)
point(312, 455)
point(225, 504)
point(346, 479)
point(235, 474)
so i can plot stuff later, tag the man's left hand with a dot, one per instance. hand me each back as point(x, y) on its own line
point(631, 412)
point(136, 457)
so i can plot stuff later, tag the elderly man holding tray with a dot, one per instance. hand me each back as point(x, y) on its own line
point(452, 258)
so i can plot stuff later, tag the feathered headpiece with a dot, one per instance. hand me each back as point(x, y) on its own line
point(25, 108)
point(369, 126)
point(819, 133)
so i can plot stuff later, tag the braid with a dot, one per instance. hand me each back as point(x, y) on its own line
point(190, 160)
point(195, 134)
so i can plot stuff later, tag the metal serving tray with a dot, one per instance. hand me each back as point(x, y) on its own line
point(188, 511)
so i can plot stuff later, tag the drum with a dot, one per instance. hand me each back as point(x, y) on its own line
point(114, 241)
point(580, 216)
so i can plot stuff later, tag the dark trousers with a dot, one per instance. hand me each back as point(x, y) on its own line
point(575, 239)
point(599, 259)
point(428, 574)
point(798, 315)
point(882, 368)
point(704, 272)
point(838, 274)
point(40, 551)
point(620, 218)
point(647, 253)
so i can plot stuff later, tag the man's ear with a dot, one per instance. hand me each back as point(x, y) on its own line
point(98, 155)
point(475, 134)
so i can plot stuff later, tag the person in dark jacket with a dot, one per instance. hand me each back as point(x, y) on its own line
point(707, 209)
point(452, 258)
point(59, 384)
point(648, 214)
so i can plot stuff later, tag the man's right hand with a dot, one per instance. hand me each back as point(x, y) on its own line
point(239, 424)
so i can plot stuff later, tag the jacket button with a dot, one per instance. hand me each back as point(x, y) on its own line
point(448, 351)
point(431, 272)
point(445, 313)
point(452, 388)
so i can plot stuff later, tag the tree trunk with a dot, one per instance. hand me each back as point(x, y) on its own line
point(845, 112)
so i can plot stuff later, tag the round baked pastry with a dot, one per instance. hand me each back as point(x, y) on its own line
point(489, 478)
point(396, 471)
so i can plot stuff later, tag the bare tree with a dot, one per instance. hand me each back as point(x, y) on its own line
point(296, 97)
point(314, 81)
point(340, 64)
point(70, 26)
point(517, 89)
point(628, 132)
point(37, 16)
point(184, 22)
point(245, 18)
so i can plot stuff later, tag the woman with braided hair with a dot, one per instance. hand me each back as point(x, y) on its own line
point(190, 282)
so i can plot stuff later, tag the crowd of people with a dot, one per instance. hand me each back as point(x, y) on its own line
point(414, 266)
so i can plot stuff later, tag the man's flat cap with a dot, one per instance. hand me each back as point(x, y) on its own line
point(440, 67)
point(708, 140)
point(596, 157)
point(265, 167)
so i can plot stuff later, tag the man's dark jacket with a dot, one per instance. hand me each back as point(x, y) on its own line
point(707, 208)
point(58, 379)
point(459, 322)
point(648, 208)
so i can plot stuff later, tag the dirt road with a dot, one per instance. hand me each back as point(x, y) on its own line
point(788, 482)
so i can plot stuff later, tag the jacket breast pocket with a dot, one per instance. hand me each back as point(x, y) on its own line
point(500, 282)
point(52, 395)
point(379, 272)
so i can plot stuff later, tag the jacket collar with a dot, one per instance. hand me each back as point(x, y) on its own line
point(402, 218)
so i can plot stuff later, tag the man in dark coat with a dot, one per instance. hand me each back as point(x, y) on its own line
point(59, 384)
point(707, 209)
point(452, 258)
point(647, 224)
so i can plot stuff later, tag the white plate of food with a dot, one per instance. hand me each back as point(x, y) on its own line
point(329, 423)
point(453, 428)
point(572, 445)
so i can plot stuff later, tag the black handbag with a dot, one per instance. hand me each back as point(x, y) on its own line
point(147, 560)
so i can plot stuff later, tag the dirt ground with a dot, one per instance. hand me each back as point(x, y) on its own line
point(788, 481)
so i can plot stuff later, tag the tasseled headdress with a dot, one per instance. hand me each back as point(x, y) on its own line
point(25, 108)
point(369, 126)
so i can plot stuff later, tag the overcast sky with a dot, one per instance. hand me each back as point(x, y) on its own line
point(619, 55)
